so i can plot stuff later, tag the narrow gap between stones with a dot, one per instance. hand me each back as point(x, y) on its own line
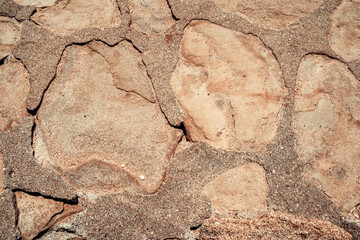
point(74, 201)
point(172, 13)
point(195, 227)
point(42, 233)
point(183, 129)
point(2, 61)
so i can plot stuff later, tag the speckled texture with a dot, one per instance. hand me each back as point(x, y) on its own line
point(178, 207)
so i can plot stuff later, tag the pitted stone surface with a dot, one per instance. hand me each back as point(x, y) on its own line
point(66, 17)
point(230, 87)
point(36, 3)
point(14, 87)
point(150, 16)
point(95, 133)
point(2, 187)
point(273, 14)
point(243, 189)
point(327, 106)
point(10, 31)
point(345, 30)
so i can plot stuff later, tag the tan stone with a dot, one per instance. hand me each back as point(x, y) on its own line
point(242, 188)
point(102, 138)
point(35, 212)
point(36, 3)
point(269, 226)
point(327, 125)
point(2, 188)
point(273, 14)
point(127, 68)
point(345, 30)
point(150, 16)
point(14, 87)
point(230, 87)
point(10, 31)
point(67, 16)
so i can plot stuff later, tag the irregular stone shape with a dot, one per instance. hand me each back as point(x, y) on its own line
point(10, 30)
point(8, 216)
point(11, 9)
point(327, 125)
point(36, 3)
point(243, 188)
point(230, 91)
point(345, 30)
point(102, 138)
point(14, 87)
point(127, 68)
point(66, 17)
point(150, 16)
point(273, 14)
point(2, 187)
point(270, 226)
point(37, 214)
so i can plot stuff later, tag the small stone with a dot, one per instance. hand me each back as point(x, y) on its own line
point(142, 177)
point(66, 17)
point(345, 30)
point(10, 31)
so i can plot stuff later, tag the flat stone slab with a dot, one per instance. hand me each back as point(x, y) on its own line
point(10, 30)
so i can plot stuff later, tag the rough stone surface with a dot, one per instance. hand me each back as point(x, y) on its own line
point(36, 3)
point(66, 17)
point(9, 8)
point(243, 189)
point(8, 216)
point(345, 30)
point(219, 82)
point(111, 148)
point(269, 226)
point(2, 187)
point(9, 35)
point(20, 168)
point(327, 106)
point(14, 87)
point(271, 14)
point(150, 16)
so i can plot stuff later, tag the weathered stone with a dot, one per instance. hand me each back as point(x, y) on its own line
point(230, 91)
point(273, 14)
point(14, 87)
point(150, 16)
point(8, 216)
point(66, 17)
point(127, 68)
point(9, 8)
point(101, 138)
point(327, 117)
point(9, 35)
point(2, 187)
point(36, 3)
point(268, 226)
point(243, 189)
point(345, 30)
point(34, 213)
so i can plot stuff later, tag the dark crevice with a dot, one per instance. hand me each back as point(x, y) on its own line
point(137, 49)
point(183, 129)
point(74, 201)
point(172, 13)
point(32, 137)
point(42, 233)
point(195, 227)
point(2, 61)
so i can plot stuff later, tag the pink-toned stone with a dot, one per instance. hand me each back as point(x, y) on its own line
point(35, 212)
point(150, 16)
point(229, 86)
point(102, 138)
point(14, 87)
point(242, 188)
point(327, 125)
point(68, 16)
point(10, 31)
point(345, 30)
point(127, 68)
point(36, 3)
point(273, 14)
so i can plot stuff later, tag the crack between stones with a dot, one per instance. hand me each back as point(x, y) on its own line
point(74, 201)
point(171, 10)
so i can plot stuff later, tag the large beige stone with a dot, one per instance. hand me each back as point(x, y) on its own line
point(242, 188)
point(14, 87)
point(36, 3)
point(102, 138)
point(273, 14)
point(10, 31)
point(150, 16)
point(67, 16)
point(230, 87)
point(127, 68)
point(327, 125)
point(35, 212)
point(345, 30)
